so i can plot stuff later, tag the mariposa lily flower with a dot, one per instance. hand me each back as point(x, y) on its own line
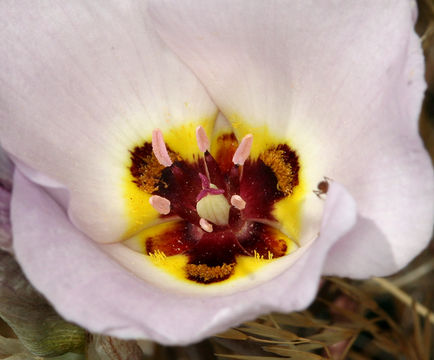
point(184, 166)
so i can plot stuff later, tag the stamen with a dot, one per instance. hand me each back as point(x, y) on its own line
point(161, 204)
point(202, 139)
point(243, 150)
point(238, 202)
point(159, 148)
point(205, 225)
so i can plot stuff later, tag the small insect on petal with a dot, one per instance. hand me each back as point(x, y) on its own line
point(243, 150)
point(322, 187)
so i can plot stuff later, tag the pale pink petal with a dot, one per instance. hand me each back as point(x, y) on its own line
point(342, 81)
point(88, 287)
point(81, 84)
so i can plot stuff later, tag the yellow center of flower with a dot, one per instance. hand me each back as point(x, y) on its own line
point(223, 212)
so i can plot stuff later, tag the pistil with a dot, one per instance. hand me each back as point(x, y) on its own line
point(214, 208)
point(208, 188)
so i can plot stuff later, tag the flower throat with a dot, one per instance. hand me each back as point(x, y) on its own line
point(221, 206)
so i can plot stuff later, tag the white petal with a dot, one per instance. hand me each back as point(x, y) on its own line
point(81, 84)
point(342, 81)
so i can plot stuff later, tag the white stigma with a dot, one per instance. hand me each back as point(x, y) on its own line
point(161, 204)
point(238, 202)
point(243, 150)
point(202, 139)
point(205, 225)
point(159, 148)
